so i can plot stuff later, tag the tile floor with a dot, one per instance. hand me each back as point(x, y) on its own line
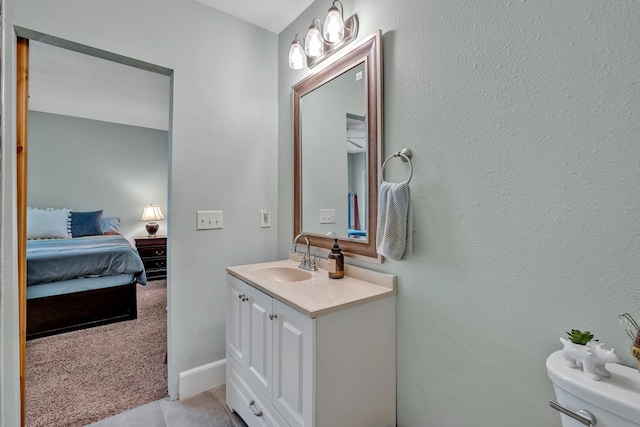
point(203, 410)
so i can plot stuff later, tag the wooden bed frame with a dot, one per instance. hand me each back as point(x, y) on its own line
point(68, 312)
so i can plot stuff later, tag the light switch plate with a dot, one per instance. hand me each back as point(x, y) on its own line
point(327, 216)
point(208, 220)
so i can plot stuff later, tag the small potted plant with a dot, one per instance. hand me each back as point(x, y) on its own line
point(581, 338)
point(581, 350)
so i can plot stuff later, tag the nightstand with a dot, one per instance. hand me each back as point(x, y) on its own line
point(153, 252)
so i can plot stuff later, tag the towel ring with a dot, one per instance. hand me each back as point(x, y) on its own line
point(405, 156)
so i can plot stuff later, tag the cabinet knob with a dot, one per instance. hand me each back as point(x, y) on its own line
point(254, 410)
point(245, 298)
point(241, 296)
point(273, 316)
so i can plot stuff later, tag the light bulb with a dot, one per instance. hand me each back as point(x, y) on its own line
point(313, 43)
point(333, 25)
point(296, 56)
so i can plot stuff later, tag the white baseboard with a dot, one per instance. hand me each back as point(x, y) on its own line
point(202, 378)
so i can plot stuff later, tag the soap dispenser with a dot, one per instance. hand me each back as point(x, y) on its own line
point(336, 262)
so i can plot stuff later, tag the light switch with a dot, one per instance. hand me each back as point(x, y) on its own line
point(327, 216)
point(208, 220)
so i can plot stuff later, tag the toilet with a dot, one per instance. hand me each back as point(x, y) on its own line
point(611, 402)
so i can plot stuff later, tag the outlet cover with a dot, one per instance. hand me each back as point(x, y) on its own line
point(265, 218)
point(208, 220)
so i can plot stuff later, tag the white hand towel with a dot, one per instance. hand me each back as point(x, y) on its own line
point(394, 221)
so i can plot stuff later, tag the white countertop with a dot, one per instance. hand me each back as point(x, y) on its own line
point(319, 295)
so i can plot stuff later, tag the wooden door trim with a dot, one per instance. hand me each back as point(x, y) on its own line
point(22, 112)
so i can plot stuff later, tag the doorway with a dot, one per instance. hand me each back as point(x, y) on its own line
point(134, 194)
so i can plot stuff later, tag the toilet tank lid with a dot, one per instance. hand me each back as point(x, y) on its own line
point(619, 394)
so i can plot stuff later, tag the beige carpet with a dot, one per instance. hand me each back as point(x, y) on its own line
point(80, 377)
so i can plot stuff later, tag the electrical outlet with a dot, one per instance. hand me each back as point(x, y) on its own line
point(327, 216)
point(265, 218)
point(208, 220)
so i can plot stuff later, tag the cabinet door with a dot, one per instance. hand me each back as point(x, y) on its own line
point(237, 315)
point(259, 352)
point(293, 366)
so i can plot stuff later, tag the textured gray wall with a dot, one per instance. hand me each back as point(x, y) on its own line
point(523, 121)
point(88, 165)
point(223, 150)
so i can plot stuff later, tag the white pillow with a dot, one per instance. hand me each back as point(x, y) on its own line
point(48, 223)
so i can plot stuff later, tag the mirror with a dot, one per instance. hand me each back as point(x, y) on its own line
point(337, 128)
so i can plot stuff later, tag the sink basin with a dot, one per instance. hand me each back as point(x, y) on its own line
point(283, 274)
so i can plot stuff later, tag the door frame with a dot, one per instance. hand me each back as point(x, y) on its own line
point(22, 114)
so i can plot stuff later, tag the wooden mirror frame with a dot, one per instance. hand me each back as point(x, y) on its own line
point(369, 52)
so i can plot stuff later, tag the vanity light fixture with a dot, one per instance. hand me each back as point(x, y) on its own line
point(320, 44)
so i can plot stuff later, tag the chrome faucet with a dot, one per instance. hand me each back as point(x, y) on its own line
point(308, 262)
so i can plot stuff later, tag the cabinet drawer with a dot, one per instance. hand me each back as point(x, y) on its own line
point(155, 241)
point(153, 264)
point(152, 251)
point(254, 410)
point(156, 274)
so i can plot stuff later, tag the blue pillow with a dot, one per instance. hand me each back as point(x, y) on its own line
point(110, 225)
point(86, 223)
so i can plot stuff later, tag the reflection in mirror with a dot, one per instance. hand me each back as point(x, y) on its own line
point(357, 175)
point(333, 143)
point(337, 138)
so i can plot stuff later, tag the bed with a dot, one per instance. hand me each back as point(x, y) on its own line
point(80, 282)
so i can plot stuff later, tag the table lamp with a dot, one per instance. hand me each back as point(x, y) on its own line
point(152, 213)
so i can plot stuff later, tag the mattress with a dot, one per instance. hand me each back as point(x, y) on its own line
point(78, 285)
point(56, 260)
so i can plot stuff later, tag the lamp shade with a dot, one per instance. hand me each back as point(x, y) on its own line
point(151, 213)
point(333, 25)
point(296, 56)
point(313, 43)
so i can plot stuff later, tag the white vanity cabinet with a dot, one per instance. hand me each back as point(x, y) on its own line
point(287, 368)
point(272, 344)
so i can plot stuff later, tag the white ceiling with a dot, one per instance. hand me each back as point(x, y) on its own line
point(272, 15)
point(69, 83)
point(65, 82)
